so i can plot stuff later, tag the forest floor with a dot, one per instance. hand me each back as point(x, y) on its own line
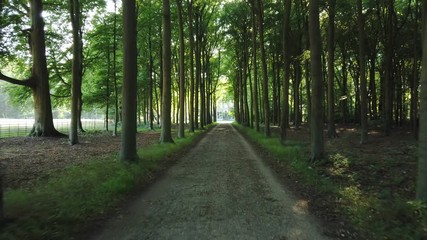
point(26, 160)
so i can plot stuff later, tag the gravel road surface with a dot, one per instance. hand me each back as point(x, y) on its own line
point(221, 189)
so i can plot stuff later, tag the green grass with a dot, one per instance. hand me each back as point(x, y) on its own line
point(60, 207)
point(384, 215)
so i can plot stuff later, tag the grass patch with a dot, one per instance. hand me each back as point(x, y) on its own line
point(61, 206)
point(377, 214)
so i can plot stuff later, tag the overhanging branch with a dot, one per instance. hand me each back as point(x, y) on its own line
point(27, 83)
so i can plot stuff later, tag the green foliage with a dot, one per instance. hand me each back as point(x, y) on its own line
point(61, 206)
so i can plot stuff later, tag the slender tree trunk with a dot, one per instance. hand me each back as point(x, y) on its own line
point(331, 70)
point(389, 52)
point(181, 127)
point(191, 32)
point(260, 16)
point(255, 66)
point(150, 84)
point(286, 81)
point(116, 88)
point(362, 68)
point(107, 93)
point(415, 76)
point(166, 135)
point(316, 122)
point(75, 16)
point(422, 142)
point(372, 86)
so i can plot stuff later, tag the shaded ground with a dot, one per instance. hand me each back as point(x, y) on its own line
point(26, 160)
point(385, 168)
point(221, 189)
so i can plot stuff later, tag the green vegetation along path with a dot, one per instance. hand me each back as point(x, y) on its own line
point(221, 189)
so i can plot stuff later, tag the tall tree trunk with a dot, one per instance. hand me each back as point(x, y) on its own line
point(116, 88)
point(198, 59)
point(191, 32)
point(75, 15)
point(415, 76)
point(372, 85)
point(422, 142)
point(107, 93)
point(255, 67)
point(389, 52)
point(331, 70)
point(129, 89)
point(316, 122)
point(151, 83)
point(362, 69)
point(260, 21)
point(166, 135)
point(181, 127)
point(286, 81)
point(344, 94)
point(43, 125)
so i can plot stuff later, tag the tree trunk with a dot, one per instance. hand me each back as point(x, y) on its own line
point(191, 32)
point(116, 88)
point(166, 135)
point(331, 70)
point(150, 84)
point(389, 52)
point(422, 142)
point(415, 77)
point(316, 121)
point(75, 15)
point(181, 72)
point(255, 66)
point(107, 93)
point(129, 88)
point(362, 68)
point(43, 125)
point(286, 81)
point(260, 21)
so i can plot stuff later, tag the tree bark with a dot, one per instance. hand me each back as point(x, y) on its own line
point(363, 81)
point(316, 121)
point(43, 124)
point(255, 66)
point(415, 76)
point(129, 88)
point(166, 135)
point(75, 15)
point(389, 52)
point(260, 21)
point(181, 126)
point(422, 142)
point(191, 32)
point(331, 70)
point(285, 98)
point(116, 88)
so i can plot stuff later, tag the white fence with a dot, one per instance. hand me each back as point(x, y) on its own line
point(22, 127)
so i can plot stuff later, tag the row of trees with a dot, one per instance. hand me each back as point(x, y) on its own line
point(94, 56)
point(369, 62)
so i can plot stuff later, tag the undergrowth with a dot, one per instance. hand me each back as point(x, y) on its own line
point(61, 206)
point(383, 215)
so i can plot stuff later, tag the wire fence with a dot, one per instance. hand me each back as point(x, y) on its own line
point(22, 127)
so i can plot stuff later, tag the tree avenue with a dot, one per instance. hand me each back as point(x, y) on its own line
point(180, 64)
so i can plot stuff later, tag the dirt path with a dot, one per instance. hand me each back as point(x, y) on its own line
point(220, 190)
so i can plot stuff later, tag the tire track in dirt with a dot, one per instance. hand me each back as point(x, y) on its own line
point(221, 189)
